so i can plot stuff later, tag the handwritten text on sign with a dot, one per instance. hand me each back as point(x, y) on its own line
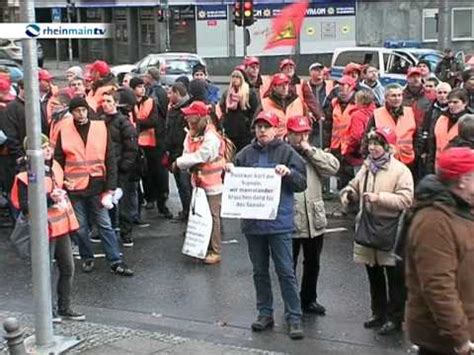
point(251, 193)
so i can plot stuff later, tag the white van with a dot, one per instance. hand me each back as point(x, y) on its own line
point(392, 64)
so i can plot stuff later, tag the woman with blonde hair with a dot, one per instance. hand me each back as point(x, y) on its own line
point(238, 105)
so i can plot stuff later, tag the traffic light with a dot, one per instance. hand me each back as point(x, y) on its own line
point(161, 14)
point(238, 13)
point(247, 6)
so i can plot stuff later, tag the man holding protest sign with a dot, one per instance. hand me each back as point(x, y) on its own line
point(310, 216)
point(203, 155)
point(275, 235)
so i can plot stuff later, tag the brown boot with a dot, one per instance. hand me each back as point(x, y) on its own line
point(212, 258)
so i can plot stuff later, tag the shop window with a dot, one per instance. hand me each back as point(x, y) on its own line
point(462, 24)
point(148, 33)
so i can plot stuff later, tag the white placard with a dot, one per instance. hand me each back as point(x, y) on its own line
point(251, 193)
point(198, 231)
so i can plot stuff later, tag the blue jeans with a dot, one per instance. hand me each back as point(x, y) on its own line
point(90, 206)
point(281, 249)
point(185, 190)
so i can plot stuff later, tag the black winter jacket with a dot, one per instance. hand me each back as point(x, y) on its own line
point(175, 133)
point(125, 141)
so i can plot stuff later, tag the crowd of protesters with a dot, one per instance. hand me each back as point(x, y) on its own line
point(403, 158)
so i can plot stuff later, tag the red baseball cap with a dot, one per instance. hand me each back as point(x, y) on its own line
point(351, 67)
point(414, 71)
point(298, 124)
point(197, 108)
point(240, 68)
point(280, 78)
point(387, 134)
point(453, 163)
point(43, 74)
point(101, 67)
point(349, 80)
point(286, 62)
point(268, 117)
point(251, 60)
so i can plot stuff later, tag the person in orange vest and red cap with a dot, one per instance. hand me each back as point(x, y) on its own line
point(439, 258)
point(354, 70)
point(61, 223)
point(203, 156)
point(47, 90)
point(151, 138)
point(256, 81)
point(288, 67)
point(102, 81)
point(85, 151)
point(415, 96)
point(336, 126)
point(311, 222)
point(402, 121)
point(280, 100)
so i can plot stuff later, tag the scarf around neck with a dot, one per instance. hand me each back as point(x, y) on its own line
point(376, 164)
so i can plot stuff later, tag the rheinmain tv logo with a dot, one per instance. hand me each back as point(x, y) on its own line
point(57, 30)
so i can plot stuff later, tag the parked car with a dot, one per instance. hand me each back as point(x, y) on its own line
point(16, 71)
point(14, 50)
point(172, 66)
point(392, 63)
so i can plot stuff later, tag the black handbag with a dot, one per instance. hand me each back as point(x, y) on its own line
point(377, 232)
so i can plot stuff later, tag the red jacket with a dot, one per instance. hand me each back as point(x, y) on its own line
point(360, 116)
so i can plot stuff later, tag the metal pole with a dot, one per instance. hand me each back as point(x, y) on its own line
point(443, 25)
point(36, 190)
point(57, 53)
point(69, 40)
point(245, 38)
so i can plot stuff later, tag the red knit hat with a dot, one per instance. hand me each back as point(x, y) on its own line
point(455, 162)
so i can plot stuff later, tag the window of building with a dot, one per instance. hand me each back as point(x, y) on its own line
point(429, 25)
point(462, 24)
point(148, 33)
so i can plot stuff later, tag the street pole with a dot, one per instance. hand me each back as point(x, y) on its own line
point(38, 216)
point(57, 53)
point(244, 31)
point(443, 25)
point(69, 9)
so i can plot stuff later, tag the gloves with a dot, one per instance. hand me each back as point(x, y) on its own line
point(107, 201)
point(3, 137)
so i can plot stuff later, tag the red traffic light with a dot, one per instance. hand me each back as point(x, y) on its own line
point(248, 5)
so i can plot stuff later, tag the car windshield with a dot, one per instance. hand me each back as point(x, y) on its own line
point(180, 66)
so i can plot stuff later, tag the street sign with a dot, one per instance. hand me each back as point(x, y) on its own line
point(56, 14)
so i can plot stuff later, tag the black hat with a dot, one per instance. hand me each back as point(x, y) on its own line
point(126, 98)
point(76, 102)
point(134, 82)
point(199, 67)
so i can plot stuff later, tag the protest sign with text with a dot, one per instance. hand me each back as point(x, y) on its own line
point(251, 193)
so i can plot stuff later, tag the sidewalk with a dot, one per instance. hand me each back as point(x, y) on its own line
point(99, 339)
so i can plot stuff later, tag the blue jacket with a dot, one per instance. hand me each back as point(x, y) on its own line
point(212, 94)
point(274, 153)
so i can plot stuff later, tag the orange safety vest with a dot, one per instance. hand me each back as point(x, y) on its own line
point(61, 221)
point(208, 175)
point(405, 128)
point(296, 108)
point(341, 120)
point(55, 127)
point(83, 162)
point(442, 135)
point(94, 98)
point(147, 137)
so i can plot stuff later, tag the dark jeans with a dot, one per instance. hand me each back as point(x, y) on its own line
point(60, 249)
point(183, 183)
point(91, 207)
point(312, 248)
point(129, 206)
point(7, 176)
point(381, 278)
point(156, 181)
point(279, 246)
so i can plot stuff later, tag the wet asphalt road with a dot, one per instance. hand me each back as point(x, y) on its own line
point(173, 293)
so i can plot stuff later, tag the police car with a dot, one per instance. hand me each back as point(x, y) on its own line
point(392, 63)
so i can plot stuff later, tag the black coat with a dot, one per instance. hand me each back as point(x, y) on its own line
point(125, 142)
point(175, 133)
point(236, 123)
point(160, 97)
